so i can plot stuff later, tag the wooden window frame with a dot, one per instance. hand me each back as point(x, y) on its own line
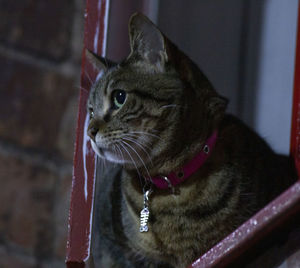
point(226, 252)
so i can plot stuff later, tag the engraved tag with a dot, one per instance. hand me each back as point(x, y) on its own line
point(144, 217)
point(144, 220)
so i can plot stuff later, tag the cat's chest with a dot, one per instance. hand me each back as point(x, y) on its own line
point(132, 205)
point(165, 222)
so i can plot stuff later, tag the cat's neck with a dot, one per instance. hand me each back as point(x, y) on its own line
point(184, 146)
point(172, 159)
point(185, 171)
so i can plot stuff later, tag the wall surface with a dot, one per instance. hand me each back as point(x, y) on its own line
point(209, 32)
point(275, 72)
point(247, 50)
point(40, 51)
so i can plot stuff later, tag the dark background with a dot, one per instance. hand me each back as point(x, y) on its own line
point(40, 53)
point(246, 48)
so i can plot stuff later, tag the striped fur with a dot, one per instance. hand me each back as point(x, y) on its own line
point(169, 111)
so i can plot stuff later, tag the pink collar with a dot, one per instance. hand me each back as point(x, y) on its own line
point(174, 178)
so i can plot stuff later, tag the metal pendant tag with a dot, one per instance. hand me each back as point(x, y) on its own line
point(144, 217)
point(144, 220)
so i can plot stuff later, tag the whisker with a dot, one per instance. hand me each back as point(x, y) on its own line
point(88, 76)
point(123, 146)
point(80, 87)
point(136, 136)
point(138, 156)
point(169, 106)
point(121, 154)
point(114, 150)
point(141, 146)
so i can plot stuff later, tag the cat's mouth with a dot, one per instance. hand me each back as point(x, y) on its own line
point(121, 154)
point(109, 154)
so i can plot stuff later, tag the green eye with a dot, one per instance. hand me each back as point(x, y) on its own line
point(118, 98)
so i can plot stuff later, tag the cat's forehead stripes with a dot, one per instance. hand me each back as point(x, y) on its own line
point(108, 85)
point(97, 100)
point(116, 83)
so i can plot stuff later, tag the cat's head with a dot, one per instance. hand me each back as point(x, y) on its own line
point(153, 103)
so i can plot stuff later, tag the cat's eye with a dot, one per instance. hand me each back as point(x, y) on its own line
point(118, 98)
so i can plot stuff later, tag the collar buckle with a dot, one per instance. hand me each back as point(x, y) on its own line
point(170, 185)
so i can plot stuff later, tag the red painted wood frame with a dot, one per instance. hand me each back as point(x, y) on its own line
point(81, 208)
point(295, 133)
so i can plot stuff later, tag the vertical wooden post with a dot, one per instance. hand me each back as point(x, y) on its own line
point(81, 208)
point(295, 132)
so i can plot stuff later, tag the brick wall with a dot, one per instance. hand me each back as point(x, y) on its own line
point(40, 50)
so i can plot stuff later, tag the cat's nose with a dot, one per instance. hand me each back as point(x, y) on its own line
point(92, 132)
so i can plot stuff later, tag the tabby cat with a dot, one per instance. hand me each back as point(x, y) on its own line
point(153, 113)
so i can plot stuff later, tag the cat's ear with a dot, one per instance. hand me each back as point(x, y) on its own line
point(97, 61)
point(147, 41)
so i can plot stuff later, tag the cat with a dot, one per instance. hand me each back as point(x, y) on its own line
point(198, 172)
